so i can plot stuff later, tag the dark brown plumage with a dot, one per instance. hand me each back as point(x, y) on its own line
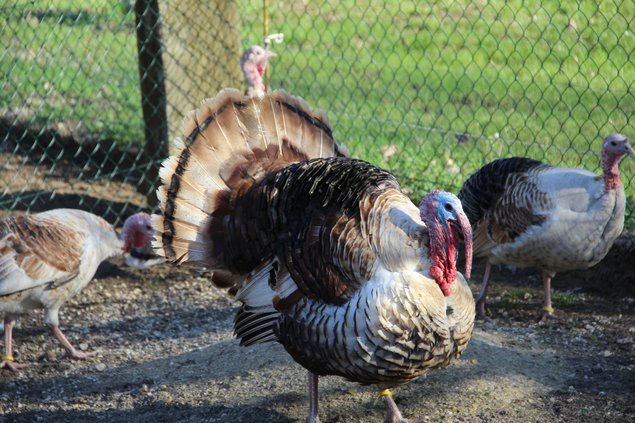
point(328, 256)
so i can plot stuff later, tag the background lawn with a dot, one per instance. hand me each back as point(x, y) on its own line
point(445, 86)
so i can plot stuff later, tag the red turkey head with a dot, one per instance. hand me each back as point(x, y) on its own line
point(137, 231)
point(253, 63)
point(447, 223)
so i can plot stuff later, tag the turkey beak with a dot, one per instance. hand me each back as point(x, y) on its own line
point(466, 228)
point(629, 149)
point(269, 54)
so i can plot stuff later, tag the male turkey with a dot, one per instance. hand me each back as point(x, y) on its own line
point(47, 258)
point(526, 213)
point(253, 63)
point(328, 256)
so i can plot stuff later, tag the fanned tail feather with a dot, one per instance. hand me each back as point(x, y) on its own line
point(229, 142)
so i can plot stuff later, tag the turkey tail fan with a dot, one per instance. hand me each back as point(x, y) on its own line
point(481, 190)
point(230, 142)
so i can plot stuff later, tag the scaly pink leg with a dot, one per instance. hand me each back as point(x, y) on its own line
point(313, 399)
point(547, 309)
point(480, 300)
point(7, 358)
point(79, 355)
point(393, 414)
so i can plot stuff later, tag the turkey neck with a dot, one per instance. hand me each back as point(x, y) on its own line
point(610, 170)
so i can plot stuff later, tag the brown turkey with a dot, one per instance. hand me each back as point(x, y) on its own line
point(327, 255)
point(526, 213)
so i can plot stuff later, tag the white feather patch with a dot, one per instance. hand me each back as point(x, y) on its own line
point(256, 292)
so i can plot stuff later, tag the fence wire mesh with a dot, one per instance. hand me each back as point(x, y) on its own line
point(429, 90)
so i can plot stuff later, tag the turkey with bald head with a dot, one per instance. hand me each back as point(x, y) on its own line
point(47, 258)
point(327, 255)
point(253, 63)
point(526, 213)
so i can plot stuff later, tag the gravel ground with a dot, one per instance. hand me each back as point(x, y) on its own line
point(166, 351)
point(166, 354)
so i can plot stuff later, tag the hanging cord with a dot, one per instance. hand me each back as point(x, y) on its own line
point(267, 38)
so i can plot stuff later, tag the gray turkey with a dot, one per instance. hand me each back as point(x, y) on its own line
point(327, 255)
point(526, 213)
point(47, 258)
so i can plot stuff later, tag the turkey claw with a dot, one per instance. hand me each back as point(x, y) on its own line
point(12, 365)
point(82, 355)
point(542, 319)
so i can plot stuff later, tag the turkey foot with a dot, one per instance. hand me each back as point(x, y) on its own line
point(70, 350)
point(394, 415)
point(81, 355)
point(547, 313)
point(481, 310)
point(9, 364)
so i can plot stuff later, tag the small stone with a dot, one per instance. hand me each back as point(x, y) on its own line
point(83, 346)
point(607, 353)
point(100, 367)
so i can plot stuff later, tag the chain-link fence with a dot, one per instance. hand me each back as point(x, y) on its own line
point(429, 90)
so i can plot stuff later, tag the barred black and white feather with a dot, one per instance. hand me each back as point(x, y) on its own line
point(529, 214)
point(326, 254)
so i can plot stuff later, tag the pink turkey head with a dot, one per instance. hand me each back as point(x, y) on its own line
point(613, 148)
point(253, 63)
point(137, 231)
point(443, 214)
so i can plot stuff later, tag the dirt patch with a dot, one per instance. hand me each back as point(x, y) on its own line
point(166, 353)
point(26, 184)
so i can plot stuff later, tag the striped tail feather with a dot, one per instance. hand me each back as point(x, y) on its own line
point(230, 142)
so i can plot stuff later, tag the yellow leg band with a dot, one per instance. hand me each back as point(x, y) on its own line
point(7, 358)
point(385, 393)
point(549, 310)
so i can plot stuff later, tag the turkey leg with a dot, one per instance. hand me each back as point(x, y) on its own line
point(480, 300)
point(79, 355)
point(7, 358)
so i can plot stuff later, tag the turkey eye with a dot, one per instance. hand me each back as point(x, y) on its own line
point(148, 227)
point(613, 143)
point(448, 207)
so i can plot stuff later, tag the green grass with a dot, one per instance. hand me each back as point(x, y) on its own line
point(515, 75)
point(541, 79)
point(563, 299)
